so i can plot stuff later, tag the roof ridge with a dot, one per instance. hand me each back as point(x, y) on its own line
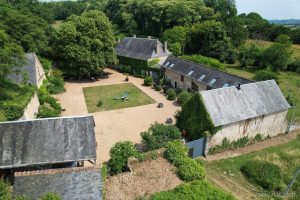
point(203, 65)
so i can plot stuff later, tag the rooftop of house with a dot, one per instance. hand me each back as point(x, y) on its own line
point(31, 70)
point(47, 141)
point(203, 74)
point(70, 183)
point(230, 105)
point(141, 48)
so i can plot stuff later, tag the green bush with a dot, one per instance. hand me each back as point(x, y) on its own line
point(119, 155)
point(269, 176)
point(148, 81)
point(46, 111)
point(190, 170)
point(13, 111)
point(5, 193)
point(49, 106)
point(171, 94)
point(195, 190)
point(56, 82)
point(104, 172)
point(100, 103)
point(50, 196)
point(264, 75)
point(211, 62)
point(158, 87)
point(175, 151)
point(159, 135)
point(183, 97)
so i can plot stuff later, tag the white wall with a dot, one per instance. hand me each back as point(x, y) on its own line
point(40, 73)
point(32, 109)
point(269, 126)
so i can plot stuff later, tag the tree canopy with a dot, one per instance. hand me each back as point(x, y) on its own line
point(84, 44)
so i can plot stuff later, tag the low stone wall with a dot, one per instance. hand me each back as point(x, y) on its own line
point(32, 109)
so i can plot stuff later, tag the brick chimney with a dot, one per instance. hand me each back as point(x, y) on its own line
point(158, 48)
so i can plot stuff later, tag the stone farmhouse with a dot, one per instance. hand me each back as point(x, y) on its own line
point(139, 52)
point(47, 143)
point(246, 110)
point(33, 70)
point(68, 183)
point(196, 77)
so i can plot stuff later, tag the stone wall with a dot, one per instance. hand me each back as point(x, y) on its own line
point(32, 109)
point(268, 126)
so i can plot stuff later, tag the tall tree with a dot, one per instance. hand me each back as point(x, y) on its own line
point(85, 44)
point(225, 8)
point(11, 56)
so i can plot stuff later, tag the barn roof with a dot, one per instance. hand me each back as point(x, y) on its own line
point(229, 105)
point(69, 184)
point(202, 73)
point(47, 141)
point(33, 72)
point(140, 48)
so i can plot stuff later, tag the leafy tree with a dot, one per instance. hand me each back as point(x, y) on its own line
point(264, 75)
point(279, 54)
point(11, 56)
point(235, 29)
point(177, 38)
point(249, 55)
point(159, 135)
point(84, 44)
point(225, 8)
point(119, 155)
point(183, 97)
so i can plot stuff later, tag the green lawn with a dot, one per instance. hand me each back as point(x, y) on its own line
point(266, 44)
point(287, 83)
point(286, 156)
point(107, 95)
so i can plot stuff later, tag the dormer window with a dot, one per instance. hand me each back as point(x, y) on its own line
point(212, 82)
point(190, 73)
point(225, 85)
point(202, 77)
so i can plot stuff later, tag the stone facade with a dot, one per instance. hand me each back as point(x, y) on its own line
point(32, 109)
point(268, 126)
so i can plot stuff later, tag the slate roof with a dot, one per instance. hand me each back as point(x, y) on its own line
point(47, 141)
point(69, 184)
point(229, 105)
point(33, 72)
point(140, 48)
point(184, 67)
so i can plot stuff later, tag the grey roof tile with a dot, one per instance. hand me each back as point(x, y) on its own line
point(47, 141)
point(230, 105)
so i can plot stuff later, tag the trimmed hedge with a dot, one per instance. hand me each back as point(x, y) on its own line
point(171, 94)
point(195, 190)
point(148, 81)
point(267, 175)
point(157, 88)
point(188, 169)
point(183, 97)
point(159, 135)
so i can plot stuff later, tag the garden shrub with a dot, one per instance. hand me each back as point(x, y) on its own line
point(178, 90)
point(100, 103)
point(50, 196)
point(190, 170)
point(56, 83)
point(46, 111)
point(148, 81)
point(264, 75)
point(195, 190)
point(157, 87)
point(5, 193)
point(159, 135)
point(13, 111)
point(183, 97)
point(269, 176)
point(175, 150)
point(104, 172)
point(119, 155)
point(171, 94)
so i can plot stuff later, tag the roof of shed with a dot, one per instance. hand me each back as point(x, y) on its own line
point(139, 48)
point(229, 105)
point(185, 67)
point(69, 184)
point(30, 68)
point(47, 141)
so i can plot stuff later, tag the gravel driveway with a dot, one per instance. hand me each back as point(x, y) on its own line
point(117, 125)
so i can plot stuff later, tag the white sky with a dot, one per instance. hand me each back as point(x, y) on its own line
point(271, 9)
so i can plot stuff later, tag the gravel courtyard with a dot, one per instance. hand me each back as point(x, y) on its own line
point(117, 125)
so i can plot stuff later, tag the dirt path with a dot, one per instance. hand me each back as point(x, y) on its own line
point(282, 139)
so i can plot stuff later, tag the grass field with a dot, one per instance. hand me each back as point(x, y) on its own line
point(107, 95)
point(265, 44)
point(286, 156)
point(287, 83)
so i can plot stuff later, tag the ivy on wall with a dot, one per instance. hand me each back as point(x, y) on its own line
point(194, 119)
